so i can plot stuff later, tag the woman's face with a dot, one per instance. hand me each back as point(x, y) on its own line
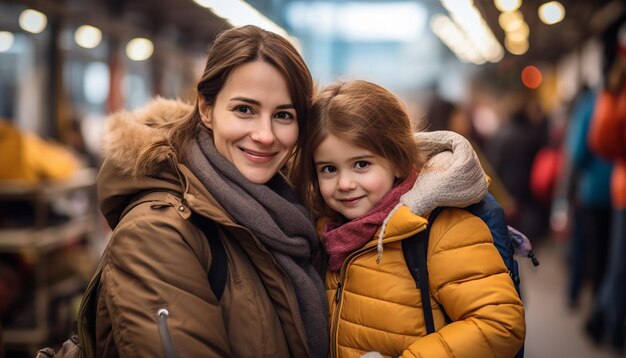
point(254, 122)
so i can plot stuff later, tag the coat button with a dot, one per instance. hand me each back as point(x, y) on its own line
point(181, 208)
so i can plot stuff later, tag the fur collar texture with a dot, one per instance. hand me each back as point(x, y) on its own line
point(128, 133)
point(126, 136)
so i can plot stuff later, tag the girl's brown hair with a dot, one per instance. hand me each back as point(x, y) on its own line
point(364, 114)
point(231, 49)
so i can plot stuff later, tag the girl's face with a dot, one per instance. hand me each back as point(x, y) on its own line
point(352, 179)
point(254, 122)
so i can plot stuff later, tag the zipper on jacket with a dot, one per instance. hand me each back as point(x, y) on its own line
point(342, 278)
point(164, 332)
point(338, 293)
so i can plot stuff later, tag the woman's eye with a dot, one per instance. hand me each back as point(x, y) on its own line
point(243, 109)
point(361, 164)
point(284, 115)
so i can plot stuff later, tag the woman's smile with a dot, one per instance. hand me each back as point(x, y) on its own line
point(258, 157)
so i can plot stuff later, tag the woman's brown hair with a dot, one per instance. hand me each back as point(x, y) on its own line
point(364, 114)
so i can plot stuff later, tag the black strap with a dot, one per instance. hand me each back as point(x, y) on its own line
point(415, 249)
point(218, 272)
point(422, 271)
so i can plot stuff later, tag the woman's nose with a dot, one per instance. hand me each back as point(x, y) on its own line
point(263, 131)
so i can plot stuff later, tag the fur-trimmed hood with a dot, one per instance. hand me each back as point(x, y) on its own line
point(129, 136)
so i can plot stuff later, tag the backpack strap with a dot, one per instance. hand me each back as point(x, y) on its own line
point(218, 272)
point(86, 321)
point(415, 249)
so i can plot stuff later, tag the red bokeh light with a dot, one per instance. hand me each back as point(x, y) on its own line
point(531, 77)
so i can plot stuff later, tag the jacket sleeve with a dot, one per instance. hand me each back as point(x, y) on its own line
point(153, 265)
point(606, 136)
point(469, 279)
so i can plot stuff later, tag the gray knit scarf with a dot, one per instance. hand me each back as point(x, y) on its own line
point(280, 224)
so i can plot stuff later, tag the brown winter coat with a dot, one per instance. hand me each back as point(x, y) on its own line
point(157, 259)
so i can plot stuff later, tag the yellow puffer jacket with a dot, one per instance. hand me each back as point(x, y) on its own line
point(377, 307)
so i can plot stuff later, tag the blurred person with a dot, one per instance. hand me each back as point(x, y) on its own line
point(179, 181)
point(354, 172)
point(591, 203)
point(445, 115)
point(76, 141)
point(512, 150)
point(607, 138)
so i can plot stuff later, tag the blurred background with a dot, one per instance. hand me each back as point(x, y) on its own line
point(519, 78)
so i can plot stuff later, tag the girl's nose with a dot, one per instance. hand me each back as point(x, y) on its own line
point(345, 183)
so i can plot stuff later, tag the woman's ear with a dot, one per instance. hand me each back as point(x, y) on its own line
point(205, 112)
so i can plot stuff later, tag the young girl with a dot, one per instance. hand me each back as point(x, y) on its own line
point(361, 170)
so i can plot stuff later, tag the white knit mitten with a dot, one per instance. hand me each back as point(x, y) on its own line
point(372, 355)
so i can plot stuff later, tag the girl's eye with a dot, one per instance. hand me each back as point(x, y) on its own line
point(328, 169)
point(243, 109)
point(284, 115)
point(361, 164)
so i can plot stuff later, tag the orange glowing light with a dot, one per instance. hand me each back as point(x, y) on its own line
point(531, 77)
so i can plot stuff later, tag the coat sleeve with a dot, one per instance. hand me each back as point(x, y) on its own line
point(469, 279)
point(153, 265)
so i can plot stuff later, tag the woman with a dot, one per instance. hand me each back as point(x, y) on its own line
point(169, 170)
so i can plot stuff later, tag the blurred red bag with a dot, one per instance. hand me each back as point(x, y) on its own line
point(606, 134)
point(545, 173)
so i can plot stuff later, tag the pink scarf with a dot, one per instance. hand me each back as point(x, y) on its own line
point(342, 239)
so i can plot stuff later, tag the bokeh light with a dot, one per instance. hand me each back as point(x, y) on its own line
point(551, 12)
point(88, 36)
point(33, 21)
point(507, 5)
point(531, 77)
point(139, 49)
point(6, 41)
